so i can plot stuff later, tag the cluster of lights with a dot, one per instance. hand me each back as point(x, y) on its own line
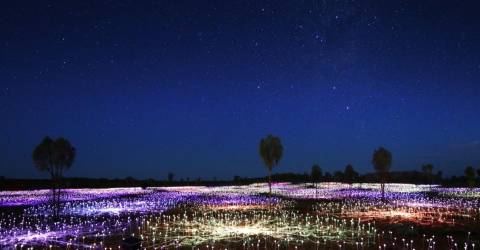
point(33, 197)
point(251, 227)
point(332, 215)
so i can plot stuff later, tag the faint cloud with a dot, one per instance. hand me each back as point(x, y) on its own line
point(471, 144)
point(475, 143)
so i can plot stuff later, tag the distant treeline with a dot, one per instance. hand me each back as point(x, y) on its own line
point(414, 177)
point(29, 184)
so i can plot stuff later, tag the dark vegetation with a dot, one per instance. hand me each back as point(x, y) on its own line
point(55, 156)
point(381, 161)
point(415, 177)
point(271, 151)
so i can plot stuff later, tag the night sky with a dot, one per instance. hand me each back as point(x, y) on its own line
point(143, 88)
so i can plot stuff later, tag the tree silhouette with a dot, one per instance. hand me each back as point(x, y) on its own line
point(54, 156)
point(271, 151)
point(438, 176)
point(350, 175)
point(338, 176)
point(382, 160)
point(470, 176)
point(316, 174)
point(170, 177)
point(328, 176)
point(427, 170)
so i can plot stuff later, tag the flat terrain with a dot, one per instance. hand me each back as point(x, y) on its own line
point(295, 216)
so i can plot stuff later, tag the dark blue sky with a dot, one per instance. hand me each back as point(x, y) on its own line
point(143, 88)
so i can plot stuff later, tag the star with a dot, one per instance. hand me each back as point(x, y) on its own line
point(347, 108)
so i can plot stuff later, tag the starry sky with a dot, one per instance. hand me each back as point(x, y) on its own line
point(144, 88)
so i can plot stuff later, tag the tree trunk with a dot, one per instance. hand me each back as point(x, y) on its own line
point(270, 181)
point(55, 201)
point(56, 192)
point(58, 196)
point(383, 190)
point(59, 189)
point(54, 198)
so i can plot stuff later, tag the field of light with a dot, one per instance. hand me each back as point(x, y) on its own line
point(296, 216)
